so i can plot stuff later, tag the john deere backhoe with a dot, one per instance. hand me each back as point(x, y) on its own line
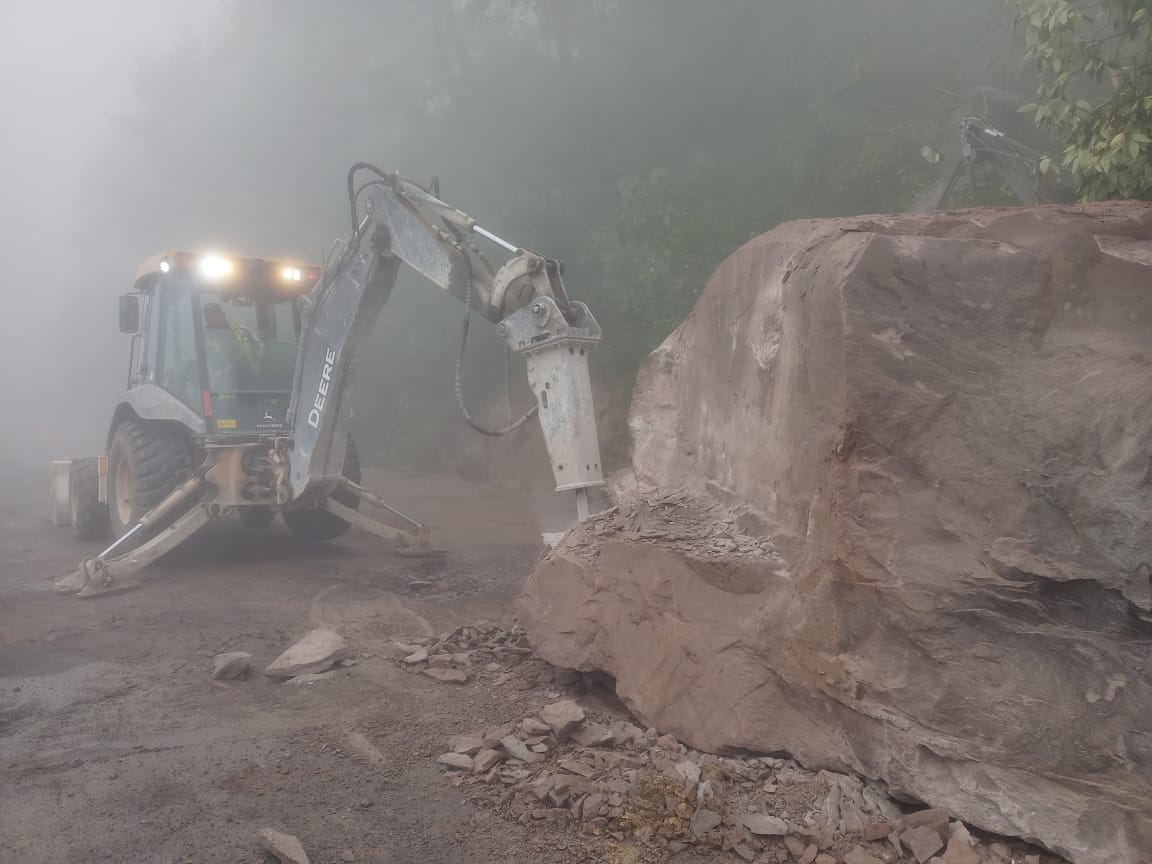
point(240, 371)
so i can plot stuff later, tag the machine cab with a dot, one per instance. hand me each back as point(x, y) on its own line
point(219, 334)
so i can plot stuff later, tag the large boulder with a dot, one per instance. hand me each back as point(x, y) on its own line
point(890, 511)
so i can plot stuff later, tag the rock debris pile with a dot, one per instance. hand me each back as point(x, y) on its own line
point(633, 787)
point(678, 521)
point(494, 654)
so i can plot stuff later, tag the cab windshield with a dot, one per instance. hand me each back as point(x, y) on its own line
point(250, 342)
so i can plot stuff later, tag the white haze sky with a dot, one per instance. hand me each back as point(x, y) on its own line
point(66, 69)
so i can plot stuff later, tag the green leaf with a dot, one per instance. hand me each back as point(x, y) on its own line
point(1045, 165)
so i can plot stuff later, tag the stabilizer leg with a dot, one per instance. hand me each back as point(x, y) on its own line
point(409, 542)
point(98, 576)
point(105, 575)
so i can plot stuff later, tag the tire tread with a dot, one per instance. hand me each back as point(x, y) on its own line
point(161, 459)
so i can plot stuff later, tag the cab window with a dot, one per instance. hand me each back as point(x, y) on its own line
point(250, 343)
point(177, 369)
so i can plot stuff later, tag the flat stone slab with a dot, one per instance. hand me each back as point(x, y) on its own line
point(317, 651)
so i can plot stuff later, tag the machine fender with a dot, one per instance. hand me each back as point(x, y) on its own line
point(149, 402)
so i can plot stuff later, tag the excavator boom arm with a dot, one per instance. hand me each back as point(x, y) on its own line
point(405, 224)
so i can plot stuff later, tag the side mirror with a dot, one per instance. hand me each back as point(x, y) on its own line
point(129, 313)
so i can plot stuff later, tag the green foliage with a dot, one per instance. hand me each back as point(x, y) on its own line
point(671, 228)
point(1096, 60)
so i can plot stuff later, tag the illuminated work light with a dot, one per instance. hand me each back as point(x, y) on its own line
point(215, 267)
point(232, 272)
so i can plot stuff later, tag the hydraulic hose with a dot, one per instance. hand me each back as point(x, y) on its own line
point(483, 430)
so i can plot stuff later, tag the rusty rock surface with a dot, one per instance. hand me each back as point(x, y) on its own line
point(889, 511)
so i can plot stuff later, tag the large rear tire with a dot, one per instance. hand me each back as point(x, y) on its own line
point(89, 513)
point(145, 463)
point(315, 525)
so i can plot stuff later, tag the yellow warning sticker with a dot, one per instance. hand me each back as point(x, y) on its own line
point(225, 424)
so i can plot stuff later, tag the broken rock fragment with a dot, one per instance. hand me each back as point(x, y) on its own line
point(933, 818)
point(563, 717)
point(705, 820)
point(922, 841)
point(285, 847)
point(317, 651)
point(591, 806)
point(961, 847)
point(494, 734)
point(517, 749)
point(458, 761)
point(486, 760)
point(420, 655)
point(877, 831)
point(232, 665)
point(745, 853)
point(531, 726)
point(469, 745)
point(669, 743)
point(593, 735)
point(688, 770)
point(795, 846)
point(764, 825)
point(575, 766)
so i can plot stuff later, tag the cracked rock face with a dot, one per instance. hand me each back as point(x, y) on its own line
point(890, 510)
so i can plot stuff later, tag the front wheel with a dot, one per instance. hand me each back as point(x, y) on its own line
point(315, 525)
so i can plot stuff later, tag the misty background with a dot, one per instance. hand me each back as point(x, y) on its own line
point(641, 141)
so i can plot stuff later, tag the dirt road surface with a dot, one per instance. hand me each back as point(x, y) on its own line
point(116, 744)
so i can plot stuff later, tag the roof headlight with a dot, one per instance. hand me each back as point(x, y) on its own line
point(215, 267)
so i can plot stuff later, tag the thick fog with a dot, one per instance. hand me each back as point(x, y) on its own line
point(68, 71)
point(641, 141)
